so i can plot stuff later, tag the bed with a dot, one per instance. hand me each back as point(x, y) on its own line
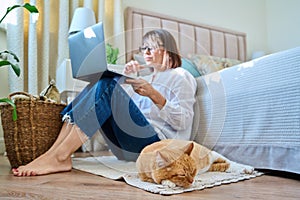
point(247, 111)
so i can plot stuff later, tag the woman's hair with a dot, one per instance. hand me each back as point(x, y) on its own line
point(162, 38)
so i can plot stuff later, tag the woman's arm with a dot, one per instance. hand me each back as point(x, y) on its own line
point(158, 99)
point(144, 88)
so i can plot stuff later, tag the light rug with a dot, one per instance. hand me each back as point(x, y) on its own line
point(112, 168)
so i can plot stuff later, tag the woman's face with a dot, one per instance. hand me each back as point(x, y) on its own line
point(153, 55)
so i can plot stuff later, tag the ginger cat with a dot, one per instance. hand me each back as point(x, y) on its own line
point(176, 162)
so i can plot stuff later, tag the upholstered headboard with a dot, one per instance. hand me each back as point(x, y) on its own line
point(192, 38)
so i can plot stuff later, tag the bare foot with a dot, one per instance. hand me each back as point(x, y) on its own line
point(45, 164)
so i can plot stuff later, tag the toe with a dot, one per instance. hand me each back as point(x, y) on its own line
point(15, 172)
point(33, 173)
point(27, 173)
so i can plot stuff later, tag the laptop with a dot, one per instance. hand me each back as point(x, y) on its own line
point(88, 55)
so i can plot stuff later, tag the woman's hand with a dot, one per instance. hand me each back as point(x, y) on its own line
point(143, 88)
point(132, 67)
point(140, 86)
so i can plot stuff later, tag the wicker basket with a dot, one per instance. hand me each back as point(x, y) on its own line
point(35, 130)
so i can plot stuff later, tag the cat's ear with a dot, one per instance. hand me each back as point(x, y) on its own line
point(188, 148)
point(161, 161)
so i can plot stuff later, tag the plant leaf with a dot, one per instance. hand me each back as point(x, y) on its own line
point(11, 53)
point(30, 8)
point(10, 102)
point(15, 67)
point(4, 62)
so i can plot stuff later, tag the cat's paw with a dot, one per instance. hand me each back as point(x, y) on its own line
point(240, 168)
point(168, 183)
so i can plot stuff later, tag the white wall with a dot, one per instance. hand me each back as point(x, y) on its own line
point(247, 16)
point(283, 24)
point(3, 70)
point(270, 25)
point(3, 83)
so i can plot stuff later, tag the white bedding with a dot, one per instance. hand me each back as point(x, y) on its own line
point(250, 113)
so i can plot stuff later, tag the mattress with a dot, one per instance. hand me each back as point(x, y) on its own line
point(250, 113)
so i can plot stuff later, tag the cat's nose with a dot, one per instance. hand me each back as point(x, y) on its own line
point(190, 179)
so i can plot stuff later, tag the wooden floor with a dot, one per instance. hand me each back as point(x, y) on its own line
point(81, 185)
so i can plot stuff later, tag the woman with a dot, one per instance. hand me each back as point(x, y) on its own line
point(155, 107)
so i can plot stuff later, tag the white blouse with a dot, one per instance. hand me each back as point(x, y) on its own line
point(175, 119)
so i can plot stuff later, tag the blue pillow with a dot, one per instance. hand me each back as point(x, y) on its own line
point(190, 67)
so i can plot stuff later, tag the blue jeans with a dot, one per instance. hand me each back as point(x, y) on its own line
point(106, 106)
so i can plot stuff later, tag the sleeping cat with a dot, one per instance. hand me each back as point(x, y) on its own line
point(176, 162)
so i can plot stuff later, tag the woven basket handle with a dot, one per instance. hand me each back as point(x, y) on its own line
point(32, 98)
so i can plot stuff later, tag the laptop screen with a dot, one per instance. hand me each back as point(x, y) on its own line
point(88, 53)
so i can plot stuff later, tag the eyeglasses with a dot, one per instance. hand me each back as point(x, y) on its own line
point(146, 48)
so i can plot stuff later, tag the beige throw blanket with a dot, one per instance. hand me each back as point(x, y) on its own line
point(112, 168)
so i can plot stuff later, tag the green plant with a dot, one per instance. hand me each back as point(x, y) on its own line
point(5, 54)
point(111, 54)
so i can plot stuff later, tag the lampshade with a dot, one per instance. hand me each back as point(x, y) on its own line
point(83, 17)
